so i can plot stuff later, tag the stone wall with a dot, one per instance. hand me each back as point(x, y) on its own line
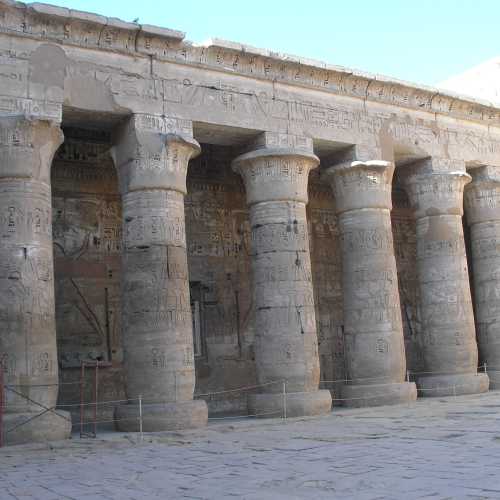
point(87, 249)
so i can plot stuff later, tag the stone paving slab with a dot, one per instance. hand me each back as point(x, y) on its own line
point(432, 449)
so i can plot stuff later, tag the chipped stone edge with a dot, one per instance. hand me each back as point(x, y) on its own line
point(431, 93)
point(315, 63)
point(89, 17)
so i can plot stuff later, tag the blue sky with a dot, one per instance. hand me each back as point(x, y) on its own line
point(424, 41)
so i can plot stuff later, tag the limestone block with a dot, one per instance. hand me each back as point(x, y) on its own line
point(162, 416)
point(37, 426)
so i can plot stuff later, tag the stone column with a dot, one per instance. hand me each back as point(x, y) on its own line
point(373, 331)
point(482, 208)
point(447, 321)
point(152, 156)
point(28, 352)
point(286, 344)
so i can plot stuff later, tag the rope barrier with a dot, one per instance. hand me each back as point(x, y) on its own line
point(240, 389)
point(42, 385)
point(98, 403)
point(344, 380)
point(409, 372)
point(246, 416)
point(4, 407)
point(483, 366)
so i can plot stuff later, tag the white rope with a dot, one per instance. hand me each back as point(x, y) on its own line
point(99, 403)
point(386, 378)
point(8, 408)
point(232, 417)
point(240, 389)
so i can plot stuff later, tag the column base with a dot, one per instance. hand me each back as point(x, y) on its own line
point(494, 377)
point(298, 404)
point(47, 427)
point(360, 396)
point(162, 416)
point(452, 385)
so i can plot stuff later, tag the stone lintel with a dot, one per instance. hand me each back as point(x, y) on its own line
point(277, 140)
point(434, 165)
point(152, 152)
point(364, 152)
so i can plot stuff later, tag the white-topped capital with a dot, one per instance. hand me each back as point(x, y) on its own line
point(373, 332)
point(448, 338)
point(482, 208)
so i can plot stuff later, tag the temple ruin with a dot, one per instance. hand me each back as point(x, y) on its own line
point(205, 217)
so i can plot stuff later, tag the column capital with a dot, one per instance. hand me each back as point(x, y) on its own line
point(27, 147)
point(436, 193)
point(361, 184)
point(152, 152)
point(275, 173)
point(482, 195)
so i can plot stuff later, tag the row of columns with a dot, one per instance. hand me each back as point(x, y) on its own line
point(151, 155)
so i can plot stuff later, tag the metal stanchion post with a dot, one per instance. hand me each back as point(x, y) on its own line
point(2, 403)
point(82, 396)
point(96, 385)
point(140, 418)
point(284, 400)
point(485, 367)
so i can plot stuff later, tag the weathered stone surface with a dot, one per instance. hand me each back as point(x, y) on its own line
point(383, 452)
point(286, 341)
point(28, 355)
point(94, 75)
point(449, 341)
point(36, 426)
point(157, 324)
point(169, 416)
point(482, 206)
point(373, 331)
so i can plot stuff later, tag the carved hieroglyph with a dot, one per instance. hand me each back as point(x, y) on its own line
point(482, 206)
point(28, 354)
point(448, 334)
point(152, 158)
point(286, 344)
point(373, 332)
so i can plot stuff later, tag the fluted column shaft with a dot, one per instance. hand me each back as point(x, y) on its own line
point(448, 334)
point(286, 344)
point(157, 324)
point(482, 206)
point(28, 350)
point(373, 332)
